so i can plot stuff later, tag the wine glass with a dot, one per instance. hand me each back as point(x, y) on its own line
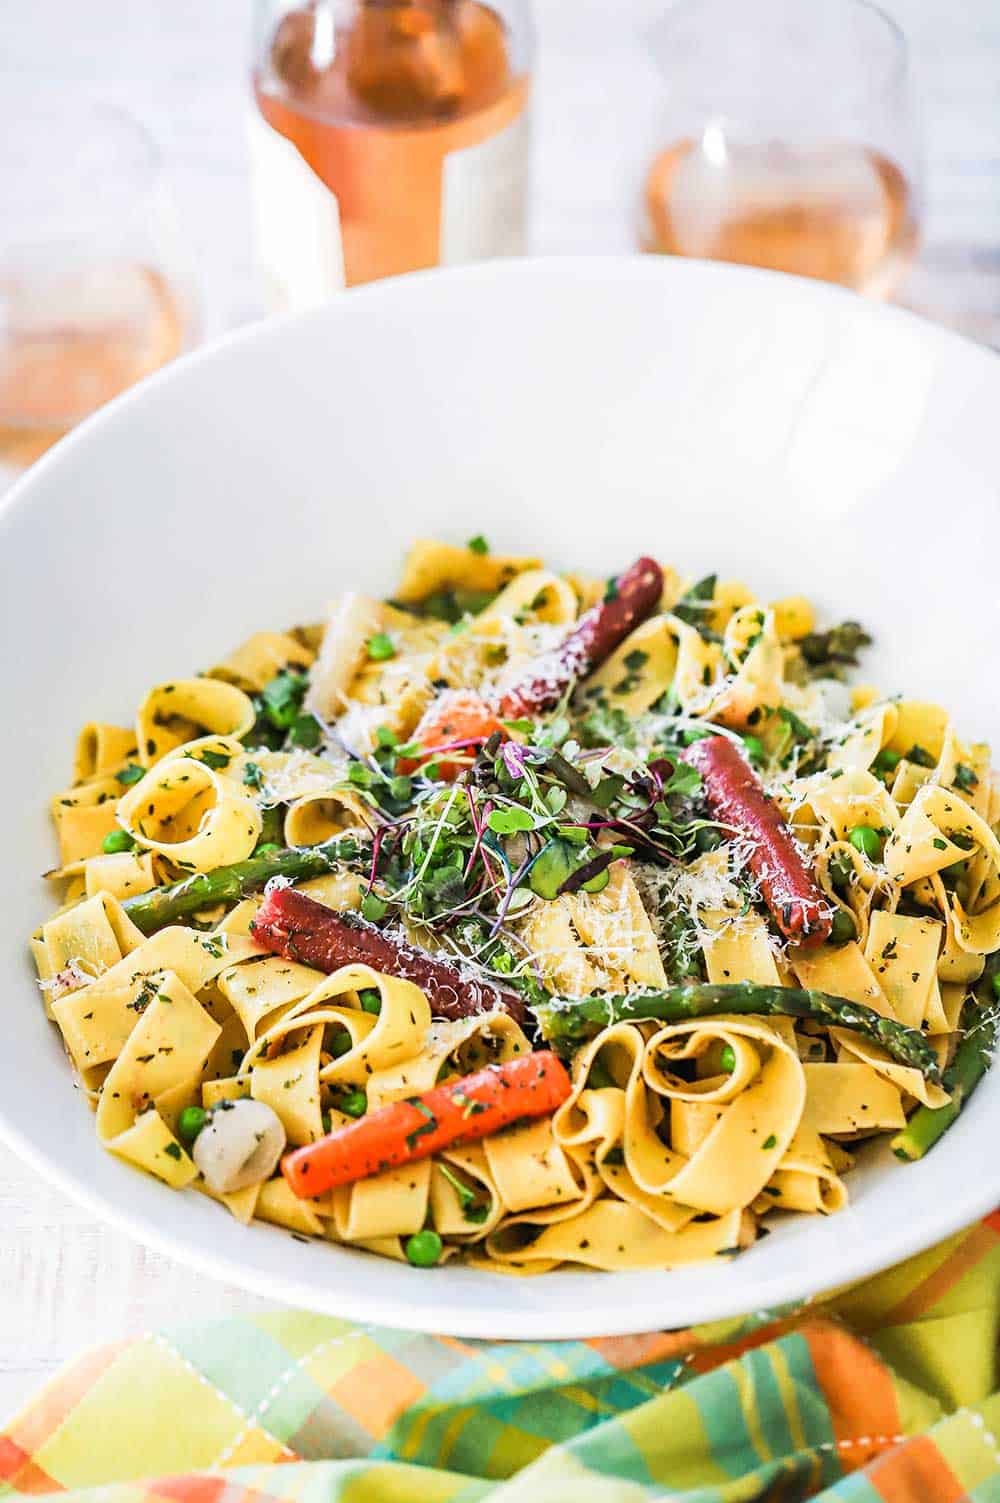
point(787, 140)
point(95, 288)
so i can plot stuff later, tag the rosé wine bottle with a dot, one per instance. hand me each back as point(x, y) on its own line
point(386, 136)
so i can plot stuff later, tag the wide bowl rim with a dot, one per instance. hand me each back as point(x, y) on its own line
point(563, 265)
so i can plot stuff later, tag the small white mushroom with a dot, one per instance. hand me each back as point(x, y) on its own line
point(240, 1145)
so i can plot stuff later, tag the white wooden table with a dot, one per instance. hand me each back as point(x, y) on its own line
point(67, 1281)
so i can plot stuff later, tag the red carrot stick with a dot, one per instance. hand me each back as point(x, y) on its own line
point(460, 1111)
point(292, 924)
point(462, 717)
point(594, 637)
point(737, 800)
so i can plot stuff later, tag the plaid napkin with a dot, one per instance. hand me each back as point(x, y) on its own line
point(881, 1394)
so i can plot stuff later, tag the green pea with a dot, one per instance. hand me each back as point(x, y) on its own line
point(843, 929)
point(341, 1043)
point(352, 1103)
point(598, 1077)
point(370, 1000)
point(867, 841)
point(727, 1059)
point(117, 840)
point(190, 1123)
point(380, 647)
point(755, 750)
point(887, 761)
point(424, 1249)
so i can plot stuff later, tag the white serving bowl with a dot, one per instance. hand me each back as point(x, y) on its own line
point(776, 430)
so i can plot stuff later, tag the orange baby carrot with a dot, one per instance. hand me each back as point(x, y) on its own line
point(459, 720)
point(460, 1111)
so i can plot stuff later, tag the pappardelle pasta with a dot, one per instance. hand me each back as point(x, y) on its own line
point(526, 919)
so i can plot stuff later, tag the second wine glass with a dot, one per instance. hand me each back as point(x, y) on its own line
point(787, 140)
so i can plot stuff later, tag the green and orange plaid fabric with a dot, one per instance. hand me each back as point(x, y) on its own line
point(884, 1393)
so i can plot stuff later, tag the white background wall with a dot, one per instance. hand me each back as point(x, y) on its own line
point(180, 64)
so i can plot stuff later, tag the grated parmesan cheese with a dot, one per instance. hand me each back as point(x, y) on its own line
point(71, 978)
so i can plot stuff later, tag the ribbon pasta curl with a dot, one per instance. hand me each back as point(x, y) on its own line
point(188, 811)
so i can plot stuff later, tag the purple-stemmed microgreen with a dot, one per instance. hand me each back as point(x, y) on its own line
point(508, 896)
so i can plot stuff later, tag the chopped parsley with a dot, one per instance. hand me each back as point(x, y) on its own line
point(412, 1138)
point(281, 699)
point(473, 1209)
point(694, 605)
point(306, 732)
point(921, 757)
point(213, 759)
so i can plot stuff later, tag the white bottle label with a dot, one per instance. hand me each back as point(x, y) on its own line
point(483, 196)
point(308, 251)
point(298, 223)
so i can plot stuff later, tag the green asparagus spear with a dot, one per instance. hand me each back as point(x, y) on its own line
point(564, 1024)
point(680, 948)
point(150, 911)
point(272, 823)
point(840, 645)
point(972, 1059)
